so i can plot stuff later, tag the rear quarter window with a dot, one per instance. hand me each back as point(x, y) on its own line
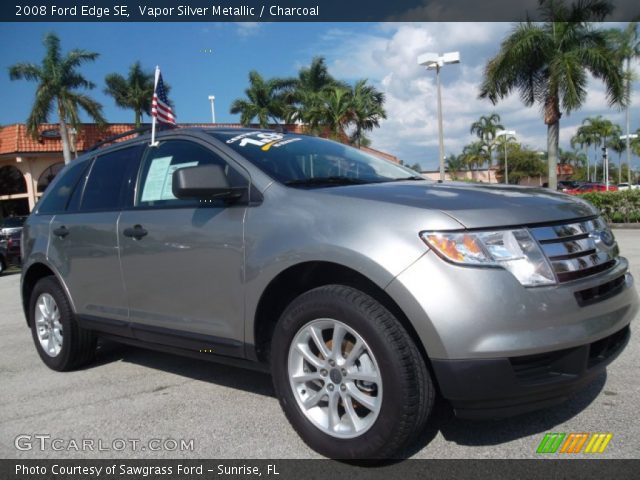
point(58, 193)
point(106, 182)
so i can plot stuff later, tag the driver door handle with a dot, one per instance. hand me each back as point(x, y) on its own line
point(61, 231)
point(136, 232)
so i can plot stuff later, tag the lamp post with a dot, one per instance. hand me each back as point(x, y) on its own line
point(628, 137)
point(213, 110)
point(605, 164)
point(506, 134)
point(434, 61)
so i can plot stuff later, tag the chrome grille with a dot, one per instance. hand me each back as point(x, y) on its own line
point(578, 249)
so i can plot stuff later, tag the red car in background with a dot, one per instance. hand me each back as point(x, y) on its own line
point(591, 187)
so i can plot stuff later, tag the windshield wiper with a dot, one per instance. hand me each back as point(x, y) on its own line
point(412, 177)
point(326, 181)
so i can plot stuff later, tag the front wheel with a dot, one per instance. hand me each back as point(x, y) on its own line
point(349, 378)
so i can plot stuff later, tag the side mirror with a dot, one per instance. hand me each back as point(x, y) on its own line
point(203, 182)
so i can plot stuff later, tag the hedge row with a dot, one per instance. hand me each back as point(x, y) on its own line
point(617, 207)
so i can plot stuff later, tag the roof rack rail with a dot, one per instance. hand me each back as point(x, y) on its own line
point(139, 131)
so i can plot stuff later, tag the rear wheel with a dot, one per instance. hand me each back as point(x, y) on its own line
point(349, 379)
point(60, 342)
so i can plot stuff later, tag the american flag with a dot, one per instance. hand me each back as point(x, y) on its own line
point(160, 104)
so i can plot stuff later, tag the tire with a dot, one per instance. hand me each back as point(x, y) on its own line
point(64, 345)
point(3, 265)
point(371, 419)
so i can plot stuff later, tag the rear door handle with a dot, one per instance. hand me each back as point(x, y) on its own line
point(136, 232)
point(61, 231)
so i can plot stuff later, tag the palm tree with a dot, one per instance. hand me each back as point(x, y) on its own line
point(591, 129)
point(619, 146)
point(599, 130)
point(58, 84)
point(487, 127)
point(367, 110)
point(548, 63)
point(455, 163)
point(304, 96)
point(627, 46)
point(475, 155)
point(316, 77)
point(264, 100)
point(607, 130)
point(584, 138)
point(635, 146)
point(573, 158)
point(333, 113)
point(134, 92)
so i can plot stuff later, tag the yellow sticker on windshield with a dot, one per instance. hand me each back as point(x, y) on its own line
point(265, 148)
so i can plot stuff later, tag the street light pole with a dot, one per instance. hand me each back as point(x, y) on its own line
point(628, 140)
point(628, 137)
point(434, 61)
point(213, 110)
point(605, 162)
point(440, 132)
point(506, 134)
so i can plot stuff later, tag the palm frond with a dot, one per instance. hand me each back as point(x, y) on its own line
point(26, 71)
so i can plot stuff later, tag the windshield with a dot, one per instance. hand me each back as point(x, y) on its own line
point(300, 160)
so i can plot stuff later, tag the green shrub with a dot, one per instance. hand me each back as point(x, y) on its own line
point(617, 207)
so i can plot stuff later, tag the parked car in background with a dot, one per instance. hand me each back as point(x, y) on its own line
point(628, 186)
point(10, 225)
point(591, 187)
point(13, 247)
point(3, 258)
point(564, 185)
point(10, 251)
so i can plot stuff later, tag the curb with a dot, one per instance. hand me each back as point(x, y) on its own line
point(625, 226)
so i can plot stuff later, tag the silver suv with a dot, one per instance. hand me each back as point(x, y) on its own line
point(363, 288)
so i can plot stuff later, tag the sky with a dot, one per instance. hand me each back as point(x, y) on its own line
point(202, 59)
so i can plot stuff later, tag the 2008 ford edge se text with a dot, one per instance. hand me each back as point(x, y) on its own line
point(361, 286)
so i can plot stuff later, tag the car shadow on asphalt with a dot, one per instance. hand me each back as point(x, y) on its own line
point(219, 374)
point(443, 419)
point(495, 432)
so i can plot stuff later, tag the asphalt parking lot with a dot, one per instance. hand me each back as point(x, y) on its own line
point(133, 394)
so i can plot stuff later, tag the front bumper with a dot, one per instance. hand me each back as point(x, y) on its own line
point(464, 313)
point(501, 387)
point(498, 348)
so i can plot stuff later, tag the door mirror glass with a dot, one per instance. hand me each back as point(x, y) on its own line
point(203, 182)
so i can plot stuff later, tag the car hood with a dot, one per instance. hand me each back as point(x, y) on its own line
point(476, 206)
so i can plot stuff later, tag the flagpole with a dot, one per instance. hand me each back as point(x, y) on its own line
point(154, 117)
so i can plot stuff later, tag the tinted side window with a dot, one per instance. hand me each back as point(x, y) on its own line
point(106, 180)
point(58, 193)
point(156, 178)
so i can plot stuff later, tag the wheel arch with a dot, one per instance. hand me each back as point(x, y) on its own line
point(302, 277)
point(30, 278)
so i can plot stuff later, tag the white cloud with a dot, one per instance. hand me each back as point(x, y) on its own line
point(387, 56)
point(248, 29)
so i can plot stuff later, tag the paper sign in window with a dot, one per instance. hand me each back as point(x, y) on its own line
point(157, 185)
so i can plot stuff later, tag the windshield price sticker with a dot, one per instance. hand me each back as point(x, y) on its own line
point(264, 140)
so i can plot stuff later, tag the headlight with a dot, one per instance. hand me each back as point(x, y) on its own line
point(514, 250)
